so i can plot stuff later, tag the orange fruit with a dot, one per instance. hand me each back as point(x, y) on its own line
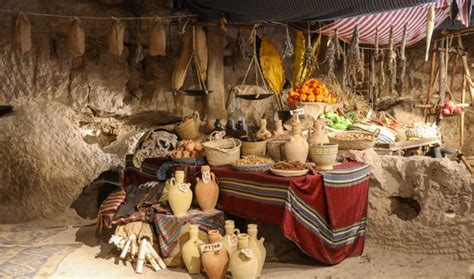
point(303, 98)
point(311, 98)
point(333, 100)
point(319, 98)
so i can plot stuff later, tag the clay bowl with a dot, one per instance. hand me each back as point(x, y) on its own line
point(324, 156)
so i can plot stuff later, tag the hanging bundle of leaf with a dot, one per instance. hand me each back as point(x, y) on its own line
point(272, 66)
point(116, 37)
point(354, 62)
point(392, 61)
point(382, 71)
point(182, 63)
point(157, 40)
point(76, 39)
point(299, 57)
point(330, 58)
point(200, 52)
point(403, 59)
point(21, 35)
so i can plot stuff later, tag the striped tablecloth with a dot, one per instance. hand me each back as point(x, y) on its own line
point(323, 214)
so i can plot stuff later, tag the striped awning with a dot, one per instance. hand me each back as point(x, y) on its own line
point(414, 18)
point(292, 10)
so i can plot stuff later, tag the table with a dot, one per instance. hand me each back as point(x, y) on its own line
point(323, 214)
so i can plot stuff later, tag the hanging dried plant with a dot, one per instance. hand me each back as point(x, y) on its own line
point(392, 62)
point(377, 52)
point(354, 62)
point(402, 57)
point(382, 71)
point(362, 59)
point(344, 69)
point(330, 58)
point(337, 46)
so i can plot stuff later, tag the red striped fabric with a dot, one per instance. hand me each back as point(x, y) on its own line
point(108, 208)
point(414, 18)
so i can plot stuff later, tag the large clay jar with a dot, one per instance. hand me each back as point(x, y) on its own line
point(263, 133)
point(180, 195)
point(230, 238)
point(243, 263)
point(319, 135)
point(190, 251)
point(256, 245)
point(207, 190)
point(297, 148)
point(215, 263)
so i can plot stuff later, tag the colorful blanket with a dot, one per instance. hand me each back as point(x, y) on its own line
point(323, 214)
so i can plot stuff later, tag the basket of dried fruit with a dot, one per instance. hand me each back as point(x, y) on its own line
point(290, 169)
point(252, 163)
point(355, 140)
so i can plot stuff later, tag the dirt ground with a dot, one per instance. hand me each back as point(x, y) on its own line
point(94, 260)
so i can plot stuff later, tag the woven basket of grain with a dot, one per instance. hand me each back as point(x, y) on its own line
point(222, 152)
point(353, 140)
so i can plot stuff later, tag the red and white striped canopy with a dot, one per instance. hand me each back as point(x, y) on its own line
point(414, 18)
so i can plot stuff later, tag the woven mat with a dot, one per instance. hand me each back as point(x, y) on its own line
point(22, 257)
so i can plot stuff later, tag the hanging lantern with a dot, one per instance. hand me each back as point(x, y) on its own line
point(157, 41)
point(21, 35)
point(116, 36)
point(76, 39)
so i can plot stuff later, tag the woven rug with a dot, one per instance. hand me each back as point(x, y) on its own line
point(21, 255)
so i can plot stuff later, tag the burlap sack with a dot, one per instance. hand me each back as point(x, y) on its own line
point(21, 35)
point(115, 39)
point(157, 41)
point(76, 39)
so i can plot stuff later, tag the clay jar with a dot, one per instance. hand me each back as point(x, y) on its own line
point(243, 263)
point(190, 251)
point(215, 263)
point(207, 190)
point(263, 133)
point(297, 148)
point(279, 131)
point(230, 238)
point(319, 135)
point(180, 195)
point(256, 245)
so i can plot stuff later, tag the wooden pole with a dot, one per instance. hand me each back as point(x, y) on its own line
point(461, 124)
point(432, 79)
point(453, 73)
point(467, 72)
point(442, 77)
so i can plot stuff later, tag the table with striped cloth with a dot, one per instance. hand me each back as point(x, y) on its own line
point(323, 214)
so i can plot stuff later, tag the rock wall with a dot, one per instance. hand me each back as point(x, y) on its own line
point(419, 204)
point(45, 162)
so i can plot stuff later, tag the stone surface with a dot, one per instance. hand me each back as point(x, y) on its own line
point(46, 163)
point(419, 204)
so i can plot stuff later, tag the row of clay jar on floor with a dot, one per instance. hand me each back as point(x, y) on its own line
point(243, 255)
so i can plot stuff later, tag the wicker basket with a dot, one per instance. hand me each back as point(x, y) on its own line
point(256, 148)
point(358, 144)
point(222, 152)
point(189, 129)
point(275, 150)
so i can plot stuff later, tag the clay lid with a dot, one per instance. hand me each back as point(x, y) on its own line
point(205, 168)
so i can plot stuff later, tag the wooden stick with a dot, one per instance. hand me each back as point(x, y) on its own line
point(134, 248)
point(141, 255)
point(466, 162)
point(461, 125)
point(152, 261)
point(442, 78)
point(432, 80)
point(156, 256)
point(453, 73)
point(125, 250)
point(467, 72)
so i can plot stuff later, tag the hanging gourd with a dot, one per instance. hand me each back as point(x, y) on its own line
point(272, 66)
point(21, 35)
point(200, 52)
point(116, 36)
point(157, 40)
point(182, 63)
point(76, 39)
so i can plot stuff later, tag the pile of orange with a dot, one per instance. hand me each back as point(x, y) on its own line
point(311, 90)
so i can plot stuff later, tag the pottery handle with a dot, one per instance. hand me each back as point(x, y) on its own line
point(236, 231)
point(213, 177)
point(172, 182)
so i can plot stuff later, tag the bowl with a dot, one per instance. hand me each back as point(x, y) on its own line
point(289, 173)
point(324, 156)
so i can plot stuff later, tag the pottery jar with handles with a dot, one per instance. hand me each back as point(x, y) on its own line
point(243, 263)
point(297, 148)
point(191, 253)
point(180, 195)
point(215, 262)
point(230, 238)
point(207, 190)
point(319, 135)
point(257, 246)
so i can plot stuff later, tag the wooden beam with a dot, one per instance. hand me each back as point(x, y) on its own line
point(467, 72)
point(432, 79)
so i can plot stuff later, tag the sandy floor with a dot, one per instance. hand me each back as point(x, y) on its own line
point(98, 261)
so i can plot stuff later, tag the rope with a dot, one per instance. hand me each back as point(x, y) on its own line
point(95, 17)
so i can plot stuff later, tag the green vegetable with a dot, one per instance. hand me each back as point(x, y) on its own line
point(339, 126)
